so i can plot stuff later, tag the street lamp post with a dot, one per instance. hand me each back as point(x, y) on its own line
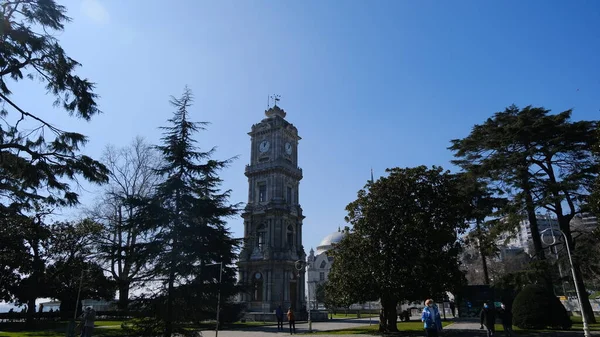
point(586, 328)
point(300, 265)
point(220, 264)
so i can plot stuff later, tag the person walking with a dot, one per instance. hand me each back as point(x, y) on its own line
point(505, 315)
point(279, 315)
point(291, 321)
point(453, 308)
point(488, 318)
point(431, 319)
point(87, 322)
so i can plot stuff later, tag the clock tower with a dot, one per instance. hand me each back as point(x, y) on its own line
point(273, 217)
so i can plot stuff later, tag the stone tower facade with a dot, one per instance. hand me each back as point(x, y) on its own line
point(273, 218)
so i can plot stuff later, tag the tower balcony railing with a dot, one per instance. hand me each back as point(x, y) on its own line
point(278, 163)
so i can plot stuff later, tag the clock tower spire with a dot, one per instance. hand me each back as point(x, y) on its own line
point(273, 216)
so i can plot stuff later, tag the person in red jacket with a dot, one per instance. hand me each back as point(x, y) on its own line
point(292, 321)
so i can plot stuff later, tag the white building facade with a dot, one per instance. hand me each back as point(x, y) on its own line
point(522, 239)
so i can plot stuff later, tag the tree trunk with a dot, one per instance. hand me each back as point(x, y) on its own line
point(389, 316)
point(123, 295)
point(30, 311)
point(170, 295)
point(486, 275)
point(586, 306)
point(533, 226)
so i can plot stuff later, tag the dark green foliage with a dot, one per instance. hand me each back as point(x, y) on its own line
point(535, 273)
point(485, 230)
point(33, 166)
point(189, 212)
point(537, 308)
point(320, 291)
point(587, 255)
point(38, 161)
point(544, 160)
point(232, 312)
point(51, 256)
point(65, 278)
point(403, 244)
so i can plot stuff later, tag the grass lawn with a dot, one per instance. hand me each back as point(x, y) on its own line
point(58, 329)
point(577, 326)
point(373, 329)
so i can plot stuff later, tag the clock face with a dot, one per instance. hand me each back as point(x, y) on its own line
point(257, 276)
point(288, 148)
point(264, 146)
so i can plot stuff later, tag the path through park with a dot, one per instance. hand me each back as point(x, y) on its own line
point(460, 328)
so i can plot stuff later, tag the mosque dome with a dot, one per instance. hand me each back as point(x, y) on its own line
point(328, 242)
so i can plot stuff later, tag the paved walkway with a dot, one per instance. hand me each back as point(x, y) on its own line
point(301, 328)
point(471, 327)
point(460, 328)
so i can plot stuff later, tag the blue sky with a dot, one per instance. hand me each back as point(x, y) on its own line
point(367, 83)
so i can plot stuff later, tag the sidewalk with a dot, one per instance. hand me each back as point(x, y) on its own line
point(471, 327)
point(301, 328)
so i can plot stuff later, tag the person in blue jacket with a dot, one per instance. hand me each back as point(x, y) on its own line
point(431, 319)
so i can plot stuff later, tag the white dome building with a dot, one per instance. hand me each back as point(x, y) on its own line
point(328, 242)
point(320, 264)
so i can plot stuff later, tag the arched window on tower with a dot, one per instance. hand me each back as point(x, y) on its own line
point(323, 264)
point(261, 237)
point(290, 236)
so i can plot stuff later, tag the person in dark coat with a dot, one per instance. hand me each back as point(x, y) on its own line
point(505, 315)
point(488, 318)
point(279, 315)
point(453, 308)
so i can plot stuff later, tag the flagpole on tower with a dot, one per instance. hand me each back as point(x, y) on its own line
point(372, 175)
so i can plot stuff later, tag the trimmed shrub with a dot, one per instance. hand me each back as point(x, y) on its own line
point(537, 308)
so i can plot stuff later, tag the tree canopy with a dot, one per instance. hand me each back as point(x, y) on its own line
point(38, 157)
point(403, 244)
point(544, 160)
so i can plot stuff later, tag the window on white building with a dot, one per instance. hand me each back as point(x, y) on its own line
point(323, 264)
point(322, 276)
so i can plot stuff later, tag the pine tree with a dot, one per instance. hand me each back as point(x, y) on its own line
point(38, 161)
point(545, 160)
point(191, 229)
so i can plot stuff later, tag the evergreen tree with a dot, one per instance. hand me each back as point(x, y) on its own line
point(190, 212)
point(37, 160)
point(546, 160)
point(33, 166)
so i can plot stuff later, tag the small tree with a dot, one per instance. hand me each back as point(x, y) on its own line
point(537, 308)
